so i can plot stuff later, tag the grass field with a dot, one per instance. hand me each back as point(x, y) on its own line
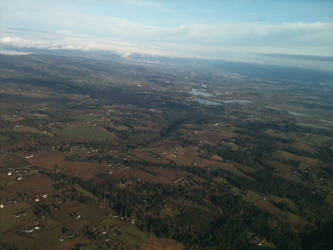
point(311, 139)
point(84, 170)
point(164, 176)
point(23, 129)
point(35, 183)
point(13, 161)
point(46, 238)
point(3, 138)
point(87, 133)
point(7, 219)
point(87, 117)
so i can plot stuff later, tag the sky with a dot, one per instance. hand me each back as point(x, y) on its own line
point(215, 29)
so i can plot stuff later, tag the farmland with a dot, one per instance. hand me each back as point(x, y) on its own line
point(126, 157)
point(86, 133)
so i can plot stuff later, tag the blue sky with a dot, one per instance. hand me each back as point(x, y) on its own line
point(190, 28)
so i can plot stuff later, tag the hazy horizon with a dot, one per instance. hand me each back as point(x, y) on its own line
point(240, 31)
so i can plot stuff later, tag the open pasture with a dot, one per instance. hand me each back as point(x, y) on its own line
point(55, 160)
point(7, 218)
point(88, 215)
point(34, 183)
point(149, 157)
point(149, 174)
point(154, 243)
point(85, 132)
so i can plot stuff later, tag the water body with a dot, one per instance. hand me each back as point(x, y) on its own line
point(200, 92)
point(237, 101)
point(206, 102)
point(270, 107)
point(313, 126)
point(326, 121)
point(289, 112)
point(296, 114)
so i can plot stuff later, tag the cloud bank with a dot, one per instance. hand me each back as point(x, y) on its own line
point(55, 27)
point(198, 40)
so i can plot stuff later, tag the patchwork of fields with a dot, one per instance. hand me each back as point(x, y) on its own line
point(97, 163)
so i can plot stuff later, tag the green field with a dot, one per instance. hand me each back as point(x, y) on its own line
point(87, 133)
point(7, 219)
point(87, 117)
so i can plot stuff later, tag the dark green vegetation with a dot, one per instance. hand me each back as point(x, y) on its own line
point(120, 155)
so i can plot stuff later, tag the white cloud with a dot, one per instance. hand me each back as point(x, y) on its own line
point(197, 40)
point(78, 27)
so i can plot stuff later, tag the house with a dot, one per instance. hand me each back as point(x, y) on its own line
point(29, 230)
point(9, 173)
point(71, 235)
point(260, 243)
point(2, 205)
point(59, 200)
point(75, 215)
point(20, 178)
point(44, 196)
point(17, 215)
